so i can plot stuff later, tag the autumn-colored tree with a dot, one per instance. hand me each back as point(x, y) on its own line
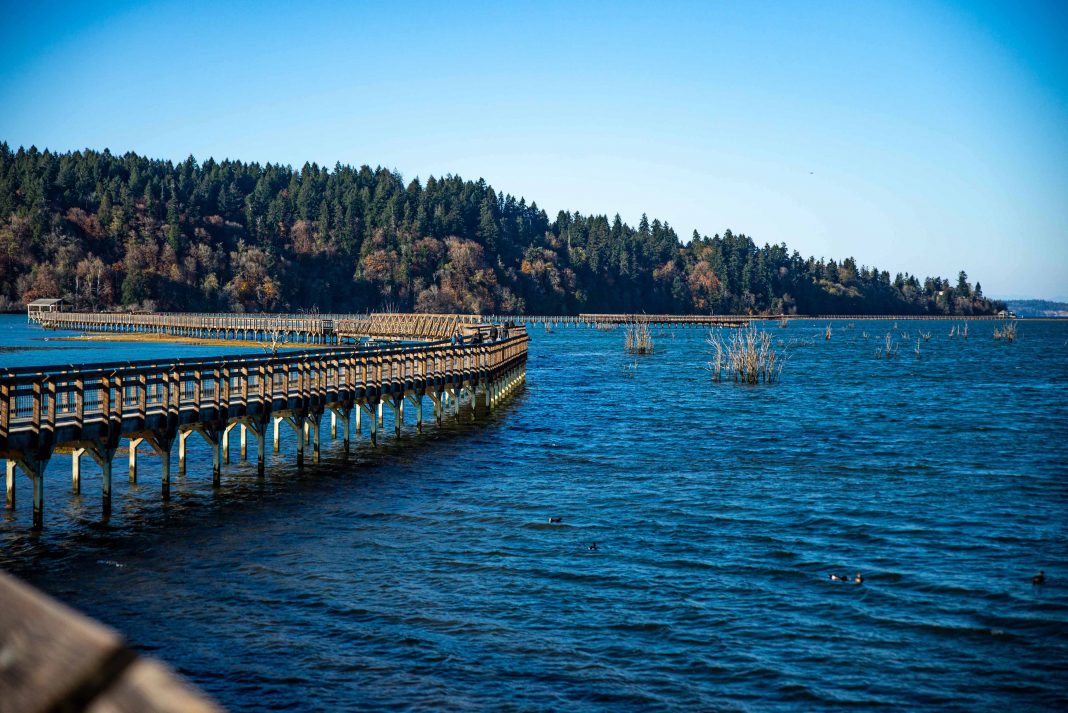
point(104, 230)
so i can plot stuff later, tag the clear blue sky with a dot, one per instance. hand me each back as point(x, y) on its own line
point(918, 136)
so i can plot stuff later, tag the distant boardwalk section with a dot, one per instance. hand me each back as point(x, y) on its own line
point(285, 328)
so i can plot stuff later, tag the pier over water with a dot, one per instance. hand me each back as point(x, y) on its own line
point(89, 409)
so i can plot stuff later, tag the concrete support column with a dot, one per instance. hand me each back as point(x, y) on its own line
point(134, 443)
point(214, 437)
point(417, 401)
point(260, 448)
point(359, 420)
point(314, 428)
point(397, 406)
point(380, 422)
point(435, 398)
point(300, 427)
point(11, 484)
point(104, 456)
point(226, 441)
point(35, 468)
point(300, 444)
point(38, 494)
point(162, 445)
point(216, 460)
point(76, 470)
point(374, 423)
point(244, 442)
point(165, 471)
point(182, 435)
point(342, 416)
point(276, 422)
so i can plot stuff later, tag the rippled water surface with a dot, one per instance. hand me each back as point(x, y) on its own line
point(425, 574)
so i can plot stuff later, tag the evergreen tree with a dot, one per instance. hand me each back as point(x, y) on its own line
point(243, 236)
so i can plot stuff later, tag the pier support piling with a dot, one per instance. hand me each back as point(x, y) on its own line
point(396, 405)
point(104, 455)
point(214, 438)
point(314, 422)
point(34, 467)
point(261, 457)
point(435, 398)
point(226, 441)
point(162, 443)
point(374, 422)
point(417, 402)
point(300, 427)
point(134, 443)
point(38, 495)
point(182, 436)
point(76, 471)
point(11, 484)
point(341, 415)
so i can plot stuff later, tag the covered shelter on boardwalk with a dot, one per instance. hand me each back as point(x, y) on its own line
point(50, 304)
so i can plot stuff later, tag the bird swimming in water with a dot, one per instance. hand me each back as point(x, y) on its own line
point(1039, 578)
point(859, 579)
point(593, 546)
point(837, 577)
point(555, 520)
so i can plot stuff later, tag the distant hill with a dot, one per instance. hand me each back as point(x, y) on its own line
point(106, 231)
point(1038, 308)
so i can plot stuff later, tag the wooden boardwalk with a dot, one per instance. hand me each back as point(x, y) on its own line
point(338, 329)
point(594, 320)
point(89, 409)
point(709, 320)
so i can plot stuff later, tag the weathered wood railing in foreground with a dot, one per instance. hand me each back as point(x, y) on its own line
point(54, 659)
point(90, 408)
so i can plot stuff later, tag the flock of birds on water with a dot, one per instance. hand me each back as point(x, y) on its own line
point(858, 578)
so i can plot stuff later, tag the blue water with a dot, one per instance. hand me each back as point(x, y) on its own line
point(425, 575)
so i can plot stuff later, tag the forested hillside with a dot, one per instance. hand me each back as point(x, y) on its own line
point(108, 231)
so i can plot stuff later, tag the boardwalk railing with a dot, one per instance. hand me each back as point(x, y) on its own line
point(592, 320)
point(400, 326)
point(707, 320)
point(293, 328)
point(90, 408)
point(306, 329)
point(349, 328)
